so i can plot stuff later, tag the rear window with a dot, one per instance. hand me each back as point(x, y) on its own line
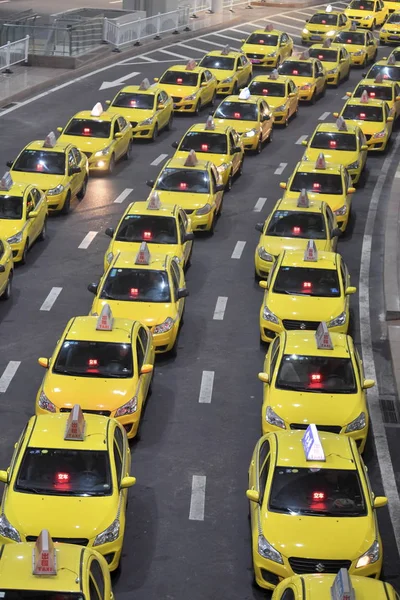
point(318, 183)
point(94, 359)
point(263, 38)
point(301, 225)
point(136, 285)
point(218, 62)
point(362, 112)
point(88, 128)
point(215, 143)
point(379, 92)
point(185, 78)
point(362, 5)
point(350, 37)
point(296, 68)
point(130, 100)
point(317, 374)
point(243, 111)
point(183, 180)
point(306, 281)
point(334, 141)
point(387, 71)
point(11, 207)
point(324, 55)
point(324, 19)
point(267, 88)
point(39, 161)
point(145, 228)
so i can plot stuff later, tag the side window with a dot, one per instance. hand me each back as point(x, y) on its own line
point(118, 461)
point(97, 574)
point(71, 159)
point(144, 337)
point(140, 353)
point(164, 96)
point(184, 218)
point(288, 594)
point(264, 452)
point(119, 440)
point(213, 180)
point(271, 273)
point(343, 273)
point(182, 228)
point(274, 354)
point(30, 203)
point(203, 78)
point(36, 196)
point(284, 39)
point(93, 591)
point(77, 155)
point(175, 277)
point(122, 123)
point(116, 127)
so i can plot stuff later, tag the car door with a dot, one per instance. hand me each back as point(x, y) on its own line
point(292, 93)
point(73, 177)
point(284, 49)
point(272, 359)
point(125, 129)
point(369, 40)
point(176, 276)
point(265, 118)
point(214, 181)
point(39, 200)
point(344, 21)
point(319, 74)
point(234, 156)
point(245, 71)
point(388, 113)
point(165, 112)
point(118, 142)
point(345, 277)
point(143, 384)
point(146, 342)
point(31, 230)
point(183, 226)
point(97, 583)
point(80, 162)
point(3, 274)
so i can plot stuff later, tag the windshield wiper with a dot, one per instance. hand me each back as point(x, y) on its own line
point(32, 490)
point(64, 371)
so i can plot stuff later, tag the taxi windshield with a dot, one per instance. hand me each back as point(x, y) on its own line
point(329, 140)
point(215, 143)
point(379, 92)
point(94, 359)
point(237, 110)
point(263, 38)
point(11, 207)
point(186, 78)
point(64, 472)
point(362, 5)
point(310, 491)
point(40, 161)
point(285, 223)
point(362, 112)
point(387, 71)
point(183, 180)
point(306, 281)
point(267, 88)
point(134, 100)
point(318, 183)
point(318, 374)
point(88, 128)
point(137, 285)
point(146, 228)
point(394, 18)
point(39, 595)
point(351, 37)
point(296, 68)
point(324, 55)
point(324, 19)
point(218, 62)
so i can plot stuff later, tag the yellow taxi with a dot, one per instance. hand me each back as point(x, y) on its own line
point(23, 216)
point(392, 6)
point(390, 32)
point(367, 13)
point(149, 288)
point(49, 569)
point(6, 269)
point(289, 227)
point(394, 56)
point(148, 109)
point(220, 144)
point(70, 474)
point(59, 169)
point(231, 68)
point(308, 75)
point(102, 363)
point(303, 289)
point(388, 68)
point(373, 117)
point(191, 87)
point(104, 137)
point(380, 89)
point(164, 227)
point(324, 24)
point(306, 488)
point(196, 186)
point(323, 181)
point(342, 143)
point(318, 587)
point(281, 93)
point(335, 59)
point(315, 377)
point(267, 47)
point(361, 45)
point(250, 116)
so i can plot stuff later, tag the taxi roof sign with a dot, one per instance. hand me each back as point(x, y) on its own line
point(323, 338)
point(327, 43)
point(245, 94)
point(353, 26)
point(225, 50)
point(328, 8)
point(191, 160)
point(303, 201)
point(320, 163)
point(312, 445)
point(6, 182)
point(391, 60)
point(379, 78)
point(364, 97)
point(145, 84)
point(311, 252)
point(341, 124)
point(304, 55)
point(154, 202)
point(269, 27)
point(274, 74)
point(44, 555)
point(50, 140)
point(210, 123)
point(75, 429)
point(105, 320)
point(191, 65)
point(143, 256)
point(97, 110)
point(342, 588)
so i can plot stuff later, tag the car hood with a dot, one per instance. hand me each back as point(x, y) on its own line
point(335, 201)
point(352, 48)
point(10, 227)
point(276, 245)
point(305, 307)
point(369, 127)
point(299, 81)
point(351, 12)
point(179, 91)
point(172, 249)
point(274, 101)
point(391, 26)
point(67, 390)
point(86, 144)
point(259, 49)
point(339, 157)
point(217, 159)
point(187, 201)
point(149, 313)
point(320, 27)
point(221, 74)
point(132, 114)
point(43, 182)
point(239, 126)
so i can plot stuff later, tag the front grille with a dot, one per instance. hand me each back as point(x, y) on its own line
point(316, 565)
point(189, 212)
point(76, 541)
point(328, 428)
point(252, 55)
point(88, 154)
point(310, 325)
point(103, 413)
point(317, 32)
point(134, 123)
point(176, 98)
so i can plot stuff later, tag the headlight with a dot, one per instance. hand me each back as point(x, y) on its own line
point(268, 551)
point(305, 30)
point(331, 71)
point(109, 257)
point(353, 165)
point(370, 556)
point(204, 209)
point(339, 320)
point(16, 239)
point(306, 86)
point(331, 32)
point(380, 134)
point(45, 403)
point(368, 18)
point(358, 53)
point(223, 167)
point(192, 97)
point(262, 253)
point(341, 211)
point(280, 108)
point(227, 80)
point(128, 408)
point(166, 326)
point(251, 133)
point(272, 54)
point(108, 535)
point(269, 316)
point(7, 530)
point(147, 121)
point(104, 151)
point(55, 191)
point(358, 423)
point(274, 419)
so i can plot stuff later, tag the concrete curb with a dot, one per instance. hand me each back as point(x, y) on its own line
point(391, 263)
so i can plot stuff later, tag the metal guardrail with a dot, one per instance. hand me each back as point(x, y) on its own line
point(122, 34)
point(13, 53)
point(196, 6)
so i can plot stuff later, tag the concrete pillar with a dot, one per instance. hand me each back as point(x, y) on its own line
point(217, 6)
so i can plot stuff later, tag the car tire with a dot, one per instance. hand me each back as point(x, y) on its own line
point(111, 165)
point(286, 124)
point(43, 233)
point(197, 109)
point(25, 253)
point(128, 153)
point(373, 25)
point(324, 90)
point(313, 98)
point(259, 145)
point(168, 126)
point(6, 295)
point(373, 59)
point(82, 192)
point(270, 137)
point(382, 43)
point(229, 183)
point(67, 205)
point(213, 99)
point(211, 231)
point(240, 169)
point(155, 133)
point(235, 89)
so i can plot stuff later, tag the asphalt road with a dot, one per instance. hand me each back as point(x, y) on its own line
point(166, 554)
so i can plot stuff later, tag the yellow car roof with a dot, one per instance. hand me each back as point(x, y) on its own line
point(84, 328)
point(218, 128)
point(48, 432)
point(309, 167)
point(87, 114)
point(127, 260)
point(337, 449)
point(179, 163)
point(304, 344)
point(319, 586)
point(295, 258)
point(141, 208)
point(331, 128)
point(325, 12)
point(385, 83)
point(196, 69)
point(298, 59)
point(272, 32)
point(371, 102)
point(221, 52)
point(133, 89)
point(267, 79)
point(253, 99)
point(38, 145)
point(291, 204)
point(17, 189)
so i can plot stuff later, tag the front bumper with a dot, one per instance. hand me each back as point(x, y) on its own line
point(389, 37)
point(280, 117)
point(56, 203)
point(333, 78)
point(164, 342)
point(185, 106)
point(143, 132)
point(262, 267)
point(357, 59)
point(315, 38)
point(269, 330)
point(201, 222)
point(250, 143)
point(306, 95)
point(18, 250)
point(377, 144)
point(364, 23)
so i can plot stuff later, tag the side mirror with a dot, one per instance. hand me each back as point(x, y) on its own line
point(364, 74)
point(4, 476)
point(160, 106)
point(364, 147)
point(118, 136)
point(156, 79)
point(33, 214)
point(150, 182)
point(92, 287)
point(127, 482)
point(188, 237)
point(307, 20)
point(175, 144)
point(379, 501)
point(351, 289)
point(108, 102)
point(264, 377)
point(348, 94)
point(74, 170)
point(146, 369)
point(182, 293)
point(260, 227)
point(263, 284)
point(236, 149)
point(337, 232)
point(220, 187)
point(252, 495)
point(304, 143)
point(9, 163)
point(59, 129)
point(240, 68)
point(204, 84)
point(368, 383)
point(44, 362)
point(110, 232)
point(397, 98)
point(336, 115)
point(390, 119)
point(283, 185)
point(351, 190)
point(243, 41)
point(2, 269)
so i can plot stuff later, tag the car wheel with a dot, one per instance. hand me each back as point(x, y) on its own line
point(323, 91)
point(270, 137)
point(42, 234)
point(111, 165)
point(197, 109)
point(211, 231)
point(128, 153)
point(296, 112)
point(67, 205)
point(155, 133)
point(287, 119)
point(168, 126)
point(81, 194)
point(373, 59)
point(240, 169)
point(25, 253)
point(235, 89)
point(229, 183)
point(373, 25)
point(313, 98)
point(213, 99)
point(7, 292)
point(259, 145)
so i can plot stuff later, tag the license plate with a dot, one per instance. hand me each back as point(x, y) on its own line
point(255, 60)
point(315, 37)
point(393, 37)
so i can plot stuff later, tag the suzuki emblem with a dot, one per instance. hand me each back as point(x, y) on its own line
point(320, 567)
point(302, 326)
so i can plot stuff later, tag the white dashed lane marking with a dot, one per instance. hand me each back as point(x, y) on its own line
point(51, 298)
point(220, 307)
point(87, 240)
point(237, 252)
point(301, 139)
point(324, 116)
point(281, 168)
point(198, 498)
point(259, 204)
point(8, 374)
point(123, 196)
point(206, 387)
point(159, 159)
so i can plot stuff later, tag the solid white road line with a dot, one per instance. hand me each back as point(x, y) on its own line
point(280, 169)
point(193, 48)
point(294, 19)
point(174, 54)
point(378, 427)
point(8, 374)
point(324, 116)
point(51, 298)
point(201, 39)
point(220, 307)
point(237, 252)
point(228, 37)
point(301, 139)
point(87, 240)
point(345, 98)
point(159, 159)
point(198, 498)
point(206, 387)
point(259, 204)
point(119, 199)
